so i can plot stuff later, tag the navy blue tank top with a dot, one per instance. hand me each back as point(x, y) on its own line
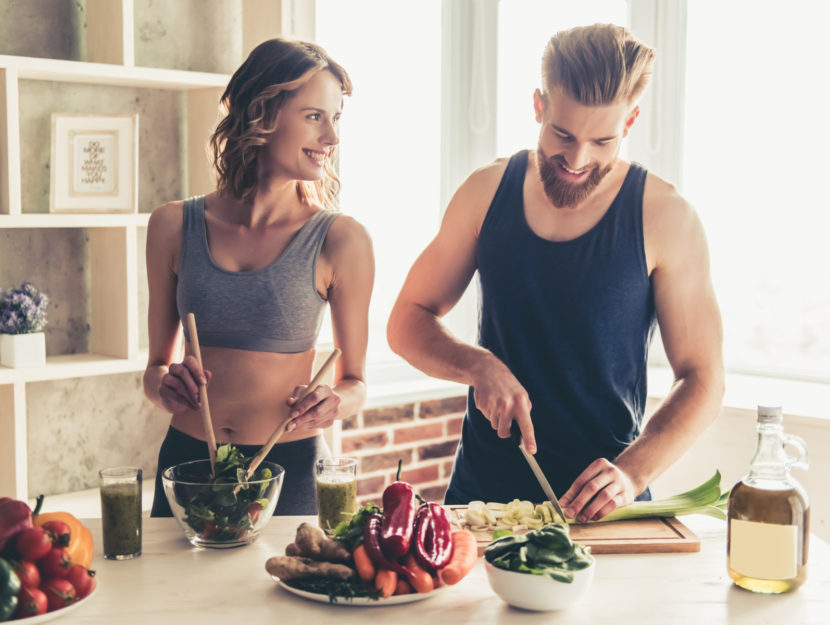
point(573, 321)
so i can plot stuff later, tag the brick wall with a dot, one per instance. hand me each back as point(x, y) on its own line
point(424, 435)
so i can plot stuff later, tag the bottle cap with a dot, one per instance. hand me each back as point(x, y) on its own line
point(770, 414)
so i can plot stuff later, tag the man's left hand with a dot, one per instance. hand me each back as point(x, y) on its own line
point(599, 489)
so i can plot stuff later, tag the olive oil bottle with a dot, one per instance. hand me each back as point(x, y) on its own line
point(769, 515)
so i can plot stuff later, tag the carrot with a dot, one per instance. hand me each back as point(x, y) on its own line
point(420, 580)
point(403, 587)
point(365, 569)
point(386, 581)
point(464, 555)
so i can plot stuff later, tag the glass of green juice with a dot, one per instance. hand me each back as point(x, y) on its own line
point(121, 512)
point(336, 491)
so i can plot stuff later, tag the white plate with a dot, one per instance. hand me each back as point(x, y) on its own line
point(361, 601)
point(42, 618)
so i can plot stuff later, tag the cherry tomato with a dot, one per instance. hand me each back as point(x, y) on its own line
point(31, 602)
point(33, 543)
point(82, 579)
point(55, 564)
point(60, 532)
point(59, 593)
point(255, 510)
point(28, 574)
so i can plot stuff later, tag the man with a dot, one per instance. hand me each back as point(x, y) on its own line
point(578, 254)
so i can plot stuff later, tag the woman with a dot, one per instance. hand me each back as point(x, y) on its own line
point(256, 261)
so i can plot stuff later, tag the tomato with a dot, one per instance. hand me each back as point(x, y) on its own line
point(28, 574)
point(80, 545)
point(59, 593)
point(33, 543)
point(60, 532)
point(55, 563)
point(82, 579)
point(255, 510)
point(31, 602)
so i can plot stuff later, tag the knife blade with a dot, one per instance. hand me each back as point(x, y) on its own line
point(543, 481)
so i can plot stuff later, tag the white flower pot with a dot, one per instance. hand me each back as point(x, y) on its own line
point(23, 350)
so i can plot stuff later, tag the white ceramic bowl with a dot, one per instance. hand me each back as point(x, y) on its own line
point(538, 592)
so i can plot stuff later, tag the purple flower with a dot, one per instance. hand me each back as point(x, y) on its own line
point(22, 309)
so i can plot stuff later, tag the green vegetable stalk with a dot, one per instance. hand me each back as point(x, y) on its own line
point(704, 499)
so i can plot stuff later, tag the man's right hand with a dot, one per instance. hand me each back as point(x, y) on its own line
point(179, 390)
point(502, 400)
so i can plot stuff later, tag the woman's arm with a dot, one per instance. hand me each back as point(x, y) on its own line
point(349, 262)
point(172, 386)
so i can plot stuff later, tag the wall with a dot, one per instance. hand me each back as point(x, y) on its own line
point(424, 435)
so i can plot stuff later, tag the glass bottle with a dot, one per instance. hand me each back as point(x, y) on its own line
point(769, 515)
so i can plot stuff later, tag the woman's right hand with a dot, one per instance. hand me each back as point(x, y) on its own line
point(179, 390)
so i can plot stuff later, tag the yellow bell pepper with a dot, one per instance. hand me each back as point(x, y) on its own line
point(80, 547)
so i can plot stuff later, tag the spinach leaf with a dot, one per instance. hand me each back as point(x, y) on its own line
point(546, 551)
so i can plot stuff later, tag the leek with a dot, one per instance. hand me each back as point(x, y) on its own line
point(704, 499)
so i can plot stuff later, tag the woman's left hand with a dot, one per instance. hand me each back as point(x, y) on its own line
point(316, 411)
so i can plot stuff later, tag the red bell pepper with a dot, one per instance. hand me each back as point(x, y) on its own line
point(15, 516)
point(433, 537)
point(371, 541)
point(398, 516)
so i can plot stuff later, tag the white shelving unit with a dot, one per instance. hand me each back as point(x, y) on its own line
point(114, 319)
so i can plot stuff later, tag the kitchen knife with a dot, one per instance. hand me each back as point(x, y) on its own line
point(540, 477)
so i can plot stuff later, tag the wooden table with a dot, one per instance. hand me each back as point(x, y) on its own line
point(174, 583)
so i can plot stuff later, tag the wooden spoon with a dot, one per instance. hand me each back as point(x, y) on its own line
point(203, 398)
point(280, 429)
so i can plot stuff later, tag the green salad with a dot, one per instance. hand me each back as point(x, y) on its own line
point(218, 510)
point(545, 551)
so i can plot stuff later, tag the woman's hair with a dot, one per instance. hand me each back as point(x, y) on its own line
point(270, 75)
point(597, 65)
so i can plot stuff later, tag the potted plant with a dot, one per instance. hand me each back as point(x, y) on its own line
point(22, 320)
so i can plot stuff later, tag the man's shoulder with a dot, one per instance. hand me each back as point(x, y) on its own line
point(476, 193)
point(662, 202)
point(489, 175)
point(670, 222)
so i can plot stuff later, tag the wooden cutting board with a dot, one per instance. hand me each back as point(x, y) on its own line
point(632, 536)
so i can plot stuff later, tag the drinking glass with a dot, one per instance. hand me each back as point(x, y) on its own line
point(121, 512)
point(336, 491)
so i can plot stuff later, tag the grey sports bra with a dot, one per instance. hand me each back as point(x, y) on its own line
point(273, 309)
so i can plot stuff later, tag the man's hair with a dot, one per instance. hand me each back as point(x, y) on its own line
point(597, 65)
point(270, 75)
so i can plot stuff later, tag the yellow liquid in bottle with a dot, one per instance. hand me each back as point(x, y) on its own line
point(781, 508)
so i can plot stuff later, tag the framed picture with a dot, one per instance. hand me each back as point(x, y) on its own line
point(94, 163)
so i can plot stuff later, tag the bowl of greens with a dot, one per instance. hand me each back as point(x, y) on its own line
point(221, 508)
point(540, 570)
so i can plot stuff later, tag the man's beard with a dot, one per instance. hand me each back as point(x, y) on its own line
point(561, 192)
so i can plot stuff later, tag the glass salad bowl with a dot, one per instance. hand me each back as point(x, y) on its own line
point(221, 512)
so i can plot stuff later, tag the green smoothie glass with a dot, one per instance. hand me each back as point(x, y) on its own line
point(336, 491)
point(121, 512)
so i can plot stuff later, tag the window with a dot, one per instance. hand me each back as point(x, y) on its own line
point(754, 166)
point(389, 134)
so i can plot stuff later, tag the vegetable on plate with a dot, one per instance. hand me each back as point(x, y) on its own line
point(9, 588)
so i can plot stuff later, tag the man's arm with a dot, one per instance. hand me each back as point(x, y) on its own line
point(690, 326)
point(434, 285)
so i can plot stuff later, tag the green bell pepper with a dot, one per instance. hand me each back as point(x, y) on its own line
point(9, 588)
